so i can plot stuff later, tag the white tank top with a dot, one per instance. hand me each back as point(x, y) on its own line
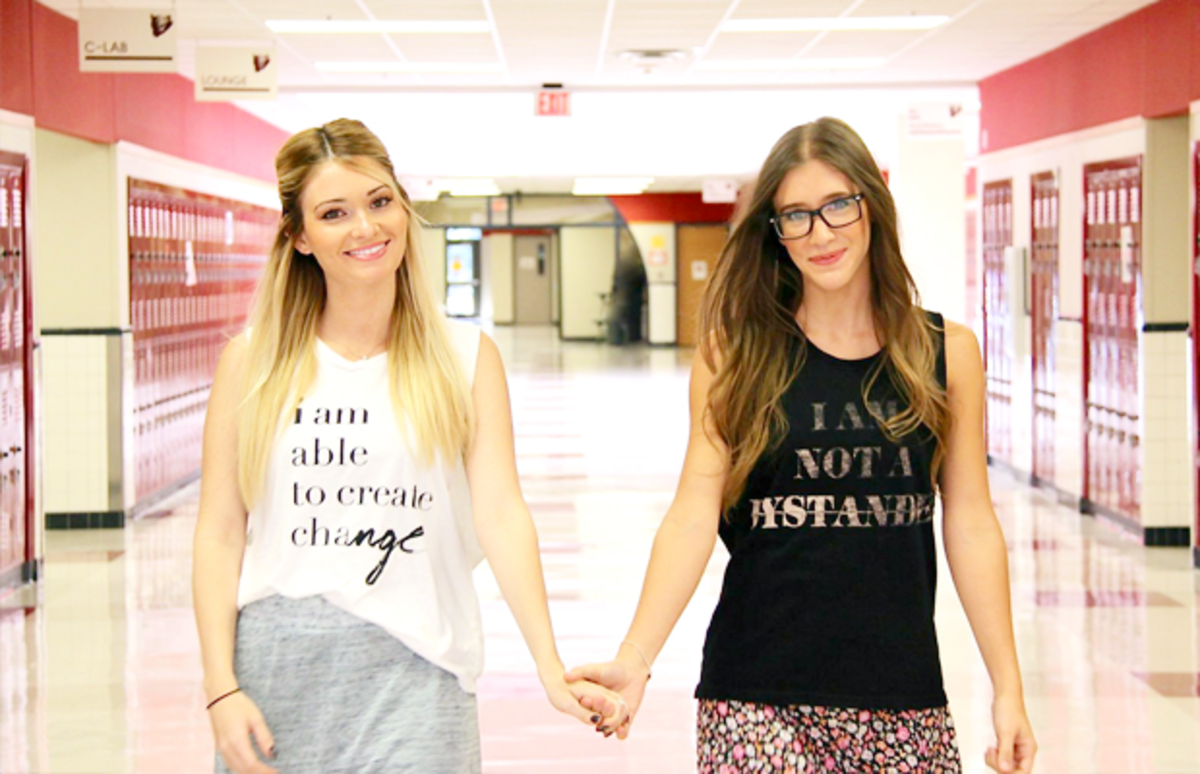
point(349, 513)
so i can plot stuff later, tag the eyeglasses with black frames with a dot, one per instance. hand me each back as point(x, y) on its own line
point(839, 213)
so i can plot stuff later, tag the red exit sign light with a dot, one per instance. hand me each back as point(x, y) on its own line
point(553, 103)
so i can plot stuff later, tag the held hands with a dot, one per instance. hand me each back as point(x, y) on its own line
point(1015, 747)
point(590, 703)
point(234, 720)
point(626, 677)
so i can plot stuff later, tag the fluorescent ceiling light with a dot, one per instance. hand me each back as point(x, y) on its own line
point(746, 65)
point(408, 67)
point(468, 186)
point(834, 24)
point(352, 27)
point(611, 186)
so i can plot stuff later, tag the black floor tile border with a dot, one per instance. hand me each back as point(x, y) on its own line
point(1154, 537)
point(86, 520)
point(1167, 536)
point(18, 575)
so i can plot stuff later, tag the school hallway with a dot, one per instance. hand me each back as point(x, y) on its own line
point(101, 670)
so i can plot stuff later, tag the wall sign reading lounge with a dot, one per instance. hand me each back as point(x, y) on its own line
point(126, 41)
point(226, 73)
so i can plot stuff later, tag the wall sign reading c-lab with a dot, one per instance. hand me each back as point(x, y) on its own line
point(126, 41)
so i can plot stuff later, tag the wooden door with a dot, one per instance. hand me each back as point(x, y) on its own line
point(696, 251)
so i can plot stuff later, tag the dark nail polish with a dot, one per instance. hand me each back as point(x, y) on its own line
point(595, 718)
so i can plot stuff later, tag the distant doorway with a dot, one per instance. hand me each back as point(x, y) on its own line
point(532, 266)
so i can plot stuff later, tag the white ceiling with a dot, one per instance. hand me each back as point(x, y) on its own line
point(678, 122)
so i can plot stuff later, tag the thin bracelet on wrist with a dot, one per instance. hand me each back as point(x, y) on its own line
point(222, 696)
point(641, 655)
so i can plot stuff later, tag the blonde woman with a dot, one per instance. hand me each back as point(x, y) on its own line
point(828, 409)
point(348, 430)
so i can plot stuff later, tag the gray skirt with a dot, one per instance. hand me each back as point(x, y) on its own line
point(342, 696)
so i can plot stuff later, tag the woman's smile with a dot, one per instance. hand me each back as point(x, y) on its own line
point(371, 252)
point(828, 259)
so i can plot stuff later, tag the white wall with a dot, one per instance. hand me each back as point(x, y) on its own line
point(588, 261)
point(656, 243)
point(928, 182)
point(1166, 424)
point(1066, 155)
point(665, 133)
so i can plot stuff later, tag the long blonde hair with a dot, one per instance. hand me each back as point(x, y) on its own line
point(748, 316)
point(429, 389)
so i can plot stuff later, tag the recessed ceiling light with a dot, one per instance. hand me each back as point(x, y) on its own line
point(360, 27)
point(754, 65)
point(611, 186)
point(408, 67)
point(834, 23)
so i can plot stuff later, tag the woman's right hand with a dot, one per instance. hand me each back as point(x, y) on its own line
point(626, 678)
point(235, 719)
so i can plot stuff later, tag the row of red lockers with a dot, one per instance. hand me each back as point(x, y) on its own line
point(1112, 322)
point(194, 263)
point(13, 528)
point(1043, 302)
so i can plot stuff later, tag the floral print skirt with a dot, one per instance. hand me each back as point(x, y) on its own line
point(734, 736)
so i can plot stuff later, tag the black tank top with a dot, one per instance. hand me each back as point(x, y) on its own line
point(829, 593)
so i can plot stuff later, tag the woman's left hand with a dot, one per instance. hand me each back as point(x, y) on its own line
point(608, 710)
point(1015, 746)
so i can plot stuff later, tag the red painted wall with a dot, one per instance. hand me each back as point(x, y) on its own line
point(16, 56)
point(156, 111)
point(64, 99)
point(670, 208)
point(1146, 64)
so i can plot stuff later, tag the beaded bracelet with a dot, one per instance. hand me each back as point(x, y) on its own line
point(222, 696)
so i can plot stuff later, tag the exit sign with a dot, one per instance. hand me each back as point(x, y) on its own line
point(553, 103)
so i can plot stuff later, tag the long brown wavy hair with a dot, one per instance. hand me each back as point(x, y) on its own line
point(747, 319)
point(429, 389)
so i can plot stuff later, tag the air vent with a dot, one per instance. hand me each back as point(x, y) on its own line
point(649, 58)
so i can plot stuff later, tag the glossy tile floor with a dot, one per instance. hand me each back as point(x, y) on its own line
point(99, 668)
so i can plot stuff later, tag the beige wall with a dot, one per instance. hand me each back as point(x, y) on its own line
point(75, 212)
point(1166, 260)
point(433, 253)
point(498, 277)
point(588, 260)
